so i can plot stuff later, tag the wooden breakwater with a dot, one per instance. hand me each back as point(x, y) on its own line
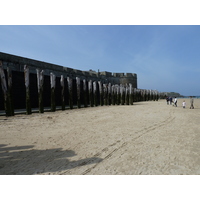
point(86, 93)
point(26, 84)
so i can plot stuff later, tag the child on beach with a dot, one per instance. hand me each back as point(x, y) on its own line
point(184, 104)
point(175, 102)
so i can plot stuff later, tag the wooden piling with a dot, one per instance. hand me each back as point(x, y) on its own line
point(136, 95)
point(130, 94)
point(95, 93)
point(85, 93)
point(5, 91)
point(122, 94)
point(105, 93)
point(109, 93)
point(40, 81)
point(10, 93)
point(157, 95)
point(100, 93)
point(90, 93)
point(62, 83)
point(53, 85)
point(28, 100)
point(70, 88)
point(113, 94)
point(127, 94)
point(78, 85)
point(118, 95)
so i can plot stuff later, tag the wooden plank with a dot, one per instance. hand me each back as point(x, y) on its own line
point(28, 100)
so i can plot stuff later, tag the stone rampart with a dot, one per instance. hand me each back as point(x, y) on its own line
point(16, 63)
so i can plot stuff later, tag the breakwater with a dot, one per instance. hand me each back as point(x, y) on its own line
point(27, 83)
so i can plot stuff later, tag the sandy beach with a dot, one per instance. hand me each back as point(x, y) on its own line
point(148, 138)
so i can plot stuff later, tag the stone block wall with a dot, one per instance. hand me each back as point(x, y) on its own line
point(16, 64)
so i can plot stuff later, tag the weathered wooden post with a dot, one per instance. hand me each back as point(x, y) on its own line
point(78, 85)
point(137, 95)
point(127, 94)
point(62, 83)
point(130, 94)
point(40, 81)
point(149, 95)
point(105, 93)
point(101, 93)
point(145, 94)
point(28, 100)
point(95, 93)
point(109, 93)
point(134, 95)
point(140, 95)
point(122, 94)
point(53, 86)
point(118, 95)
point(70, 88)
point(10, 96)
point(138, 92)
point(113, 94)
point(5, 91)
point(157, 95)
point(90, 93)
point(85, 93)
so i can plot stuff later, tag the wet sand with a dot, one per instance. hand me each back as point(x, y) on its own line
point(145, 138)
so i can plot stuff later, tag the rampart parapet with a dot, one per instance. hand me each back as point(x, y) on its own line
point(16, 63)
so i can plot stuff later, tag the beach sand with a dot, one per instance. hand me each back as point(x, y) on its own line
point(144, 138)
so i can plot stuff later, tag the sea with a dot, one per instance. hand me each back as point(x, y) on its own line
point(196, 97)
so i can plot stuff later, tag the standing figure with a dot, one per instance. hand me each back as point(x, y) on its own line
point(167, 99)
point(191, 103)
point(170, 100)
point(175, 101)
point(184, 104)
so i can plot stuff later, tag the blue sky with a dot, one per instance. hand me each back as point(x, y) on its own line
point(165, 58)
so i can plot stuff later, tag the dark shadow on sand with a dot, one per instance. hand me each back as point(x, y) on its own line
point(23, 160)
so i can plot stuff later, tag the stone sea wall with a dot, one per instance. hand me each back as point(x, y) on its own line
point(27, 82)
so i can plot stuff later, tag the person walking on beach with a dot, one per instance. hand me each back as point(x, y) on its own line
point(167, 99)
point(175, 101)
point(170, 100)
point(184, 104)
point(191, 103)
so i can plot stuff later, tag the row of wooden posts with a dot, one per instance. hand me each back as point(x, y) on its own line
point(108, 94)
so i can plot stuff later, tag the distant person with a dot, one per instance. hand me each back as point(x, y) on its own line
point(191, 103)
point(167, 99)
point(170, 100)
point(175, 101)
point(184, 104)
